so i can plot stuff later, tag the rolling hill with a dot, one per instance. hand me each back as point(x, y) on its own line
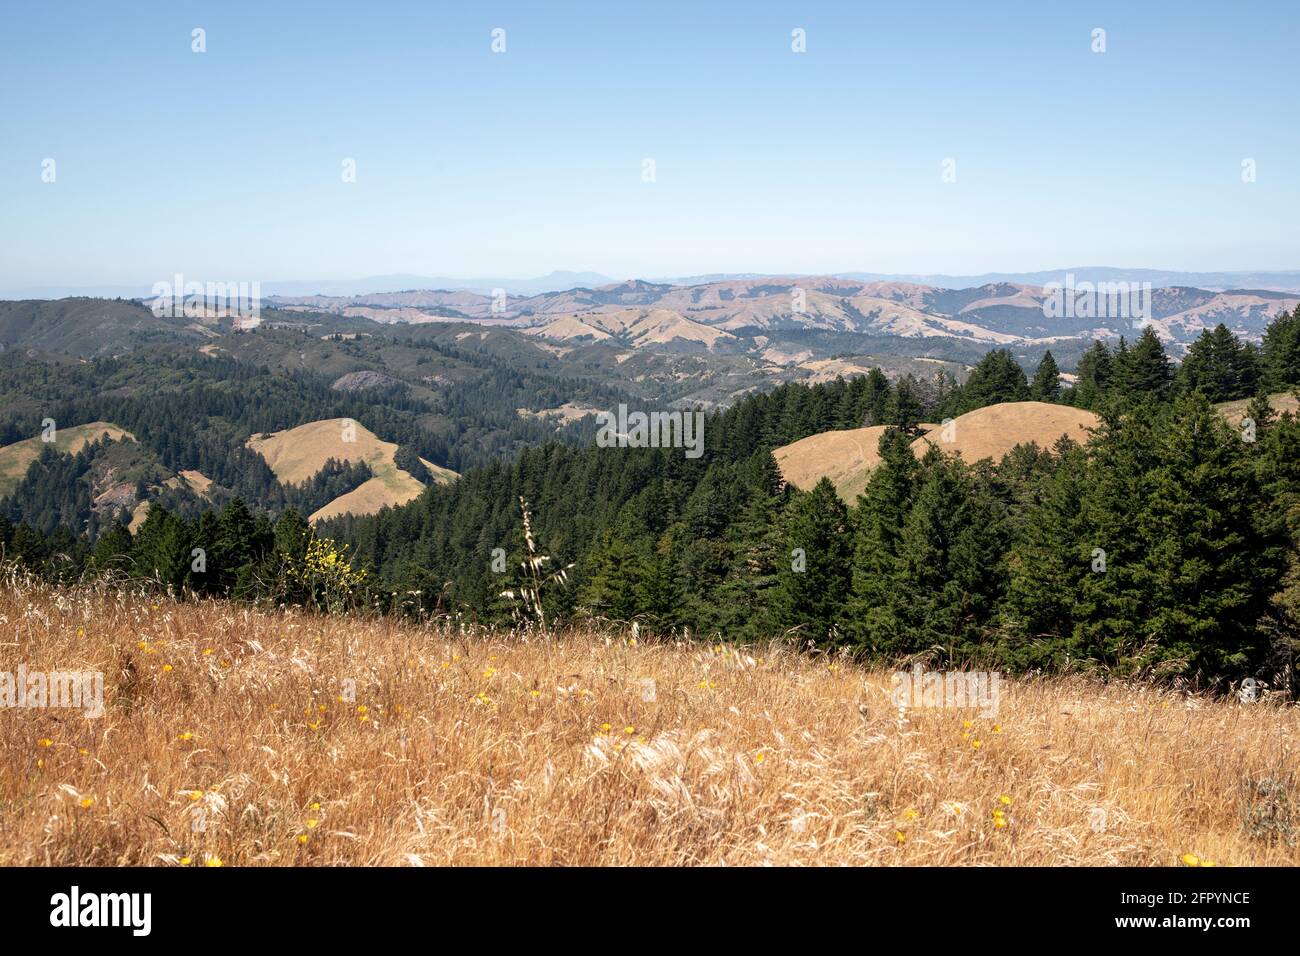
point(848, 456)
point(994, 430)
point(16, 458)
point(296, 454)
point(777, 308)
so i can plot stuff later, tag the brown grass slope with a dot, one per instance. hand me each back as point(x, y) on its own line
point(1281, 402)
point(298, 453)
point(16, 458)
point(848, 456)
point(994, 430)
point(228, 737)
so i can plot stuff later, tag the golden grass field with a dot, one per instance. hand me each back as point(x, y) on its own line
point(230, 738)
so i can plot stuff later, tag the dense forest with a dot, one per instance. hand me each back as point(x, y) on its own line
point(196, 412)
point(1166, 545)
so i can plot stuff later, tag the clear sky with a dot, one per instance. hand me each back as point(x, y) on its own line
point(229, 164)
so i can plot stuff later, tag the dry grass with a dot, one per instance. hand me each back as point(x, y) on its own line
point(994, 430)
point(297, 454)
point(16, 458)
point(1282, 402)
point(493, 748)
point(842, 456)
point(848, 456)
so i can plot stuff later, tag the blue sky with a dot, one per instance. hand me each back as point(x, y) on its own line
point(228, 164)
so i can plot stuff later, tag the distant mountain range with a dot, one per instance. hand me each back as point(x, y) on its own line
point(1275, 281)
point(796, 319)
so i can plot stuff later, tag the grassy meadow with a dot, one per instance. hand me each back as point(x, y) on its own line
point(239, 737)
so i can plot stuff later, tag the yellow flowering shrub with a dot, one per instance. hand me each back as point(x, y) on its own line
point(325, 573)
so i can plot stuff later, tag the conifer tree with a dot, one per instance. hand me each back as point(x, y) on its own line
point(112, 551)
point(1281, 351)
point(1219, 366)
point(874, 402)
point(814, 584)
point(1095, 371)
point(162, 548)
point(903, 409)
point(996, 378)
point(1143, 370)
point(878, 522)
point(1048, 561)
point(744, 601)
point(949, 573)
point(1046, 386)
point(1190, 555)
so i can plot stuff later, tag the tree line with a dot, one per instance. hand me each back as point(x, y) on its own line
point(1169, 544)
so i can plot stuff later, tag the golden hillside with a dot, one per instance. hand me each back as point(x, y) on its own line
point(231, 736)
point(1282, 402)
point(16, 458)
point(847, 456)
point(298, 453)
point(994, 430)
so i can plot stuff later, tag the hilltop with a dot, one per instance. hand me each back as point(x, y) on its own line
point(15, 459)
point(297, 454)
point(847, 457)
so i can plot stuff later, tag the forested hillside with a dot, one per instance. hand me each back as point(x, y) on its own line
point(1167, 544)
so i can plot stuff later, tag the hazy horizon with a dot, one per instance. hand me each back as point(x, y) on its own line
point(563, 279)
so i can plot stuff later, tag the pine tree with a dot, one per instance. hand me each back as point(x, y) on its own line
point(112, 551)
point(1143, 370)
point(816, 535)
point(1191, 556)
point(1049, 559)
point(1047, 380)
point(1281, 351)
point(744, 601)
point(1219, 366)
point(874, 403)
point(949, 572)
point(1096, 368)
point(658, 592)
point(996, 378)
point(903, 410)
point(878, 522)
point(1261, 412)
point(162, 548)
point(616, 569)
